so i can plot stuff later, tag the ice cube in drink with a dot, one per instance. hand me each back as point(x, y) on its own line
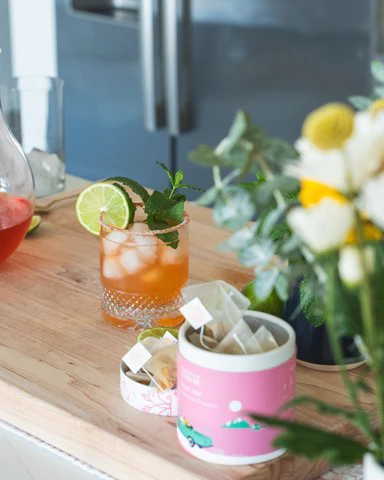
point(146, 290)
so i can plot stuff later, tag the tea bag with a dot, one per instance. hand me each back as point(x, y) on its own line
point(163, 368)
point(265, 339)
point(202, 341)
point(138, 377)
point(239, 341)
point(153, 344)
point(223, 302)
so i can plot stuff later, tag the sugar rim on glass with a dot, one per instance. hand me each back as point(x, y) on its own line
point(150, 233)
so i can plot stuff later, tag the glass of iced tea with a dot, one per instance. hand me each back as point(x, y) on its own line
point(142, 276)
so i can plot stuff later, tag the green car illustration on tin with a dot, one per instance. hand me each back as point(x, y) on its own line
point(194, 437)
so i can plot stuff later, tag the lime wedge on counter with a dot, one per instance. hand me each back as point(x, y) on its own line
point(272, 305)
point(157, 332)
point(36, 220)
point(107, 198)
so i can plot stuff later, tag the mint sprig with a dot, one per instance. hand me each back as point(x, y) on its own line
point(176, 180)
point(164, 209)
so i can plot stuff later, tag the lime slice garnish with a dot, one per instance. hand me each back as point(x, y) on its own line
point(157, 332)
point(272, 304)
point(36, 220)
point(99, 198)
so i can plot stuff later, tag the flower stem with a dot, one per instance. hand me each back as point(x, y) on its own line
point(351, 388)
point(369, 326)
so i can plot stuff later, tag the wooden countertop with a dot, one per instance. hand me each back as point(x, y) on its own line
point(59, 361)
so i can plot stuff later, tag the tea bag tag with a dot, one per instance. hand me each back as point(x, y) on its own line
point(137, 357)
point(196, 314)
point(169, 339)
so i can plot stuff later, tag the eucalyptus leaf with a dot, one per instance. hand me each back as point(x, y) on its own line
point(377, 69)
point(278, 152)
point(291, 244)
point(208, 197)
point(255, 135)
point(264, 194)
point(237, 241)
point(379, 91)
point(204, 156)
point(236, 158)
point(238, 128)
point(265, 283)
point(283, 286)
point(271, 219)
point(233, 208)
point(258, 253)
point(359, 102)
point(313, 443)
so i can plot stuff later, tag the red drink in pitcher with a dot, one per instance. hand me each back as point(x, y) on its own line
point(15, 217)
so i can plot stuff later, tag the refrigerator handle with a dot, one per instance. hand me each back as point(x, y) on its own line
point(151, 64)
point(177, 62)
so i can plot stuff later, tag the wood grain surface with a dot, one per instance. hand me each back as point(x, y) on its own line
point(59, 361)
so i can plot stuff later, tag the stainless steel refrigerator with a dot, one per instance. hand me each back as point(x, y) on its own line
point(150, 80)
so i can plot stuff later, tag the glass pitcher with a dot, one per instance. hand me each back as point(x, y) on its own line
point(17, 192)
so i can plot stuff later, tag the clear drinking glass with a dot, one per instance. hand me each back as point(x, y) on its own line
point(142, 276)
point(33, 108)
point(17, 194)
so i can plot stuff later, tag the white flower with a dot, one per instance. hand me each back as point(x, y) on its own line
point(365, 148)
point(350, 264)
point(324, 226)
point(361, 158)
point(322, 166)
point(372, 200)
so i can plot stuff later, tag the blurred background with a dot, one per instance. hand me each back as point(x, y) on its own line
point(148, 80)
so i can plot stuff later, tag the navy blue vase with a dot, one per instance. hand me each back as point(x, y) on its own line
point(313, 346)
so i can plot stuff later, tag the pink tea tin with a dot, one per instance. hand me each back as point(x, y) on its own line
point(216, 393)
point(147, 399)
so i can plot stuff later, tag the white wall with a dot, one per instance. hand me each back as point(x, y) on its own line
point(33, 37)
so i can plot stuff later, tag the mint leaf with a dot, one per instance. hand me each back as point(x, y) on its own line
point(313, 443)
point(184, 185)
point(131, 205)
point(176, 195)
point(164, 208)
point(178, 178)
point(169, 173)
point(134, 186)
point(310, 304)
point(170, 238)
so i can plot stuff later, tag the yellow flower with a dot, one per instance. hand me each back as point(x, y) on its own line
point(328, 127)
point(377, 106)
point(311, 193)
point(370, 231)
